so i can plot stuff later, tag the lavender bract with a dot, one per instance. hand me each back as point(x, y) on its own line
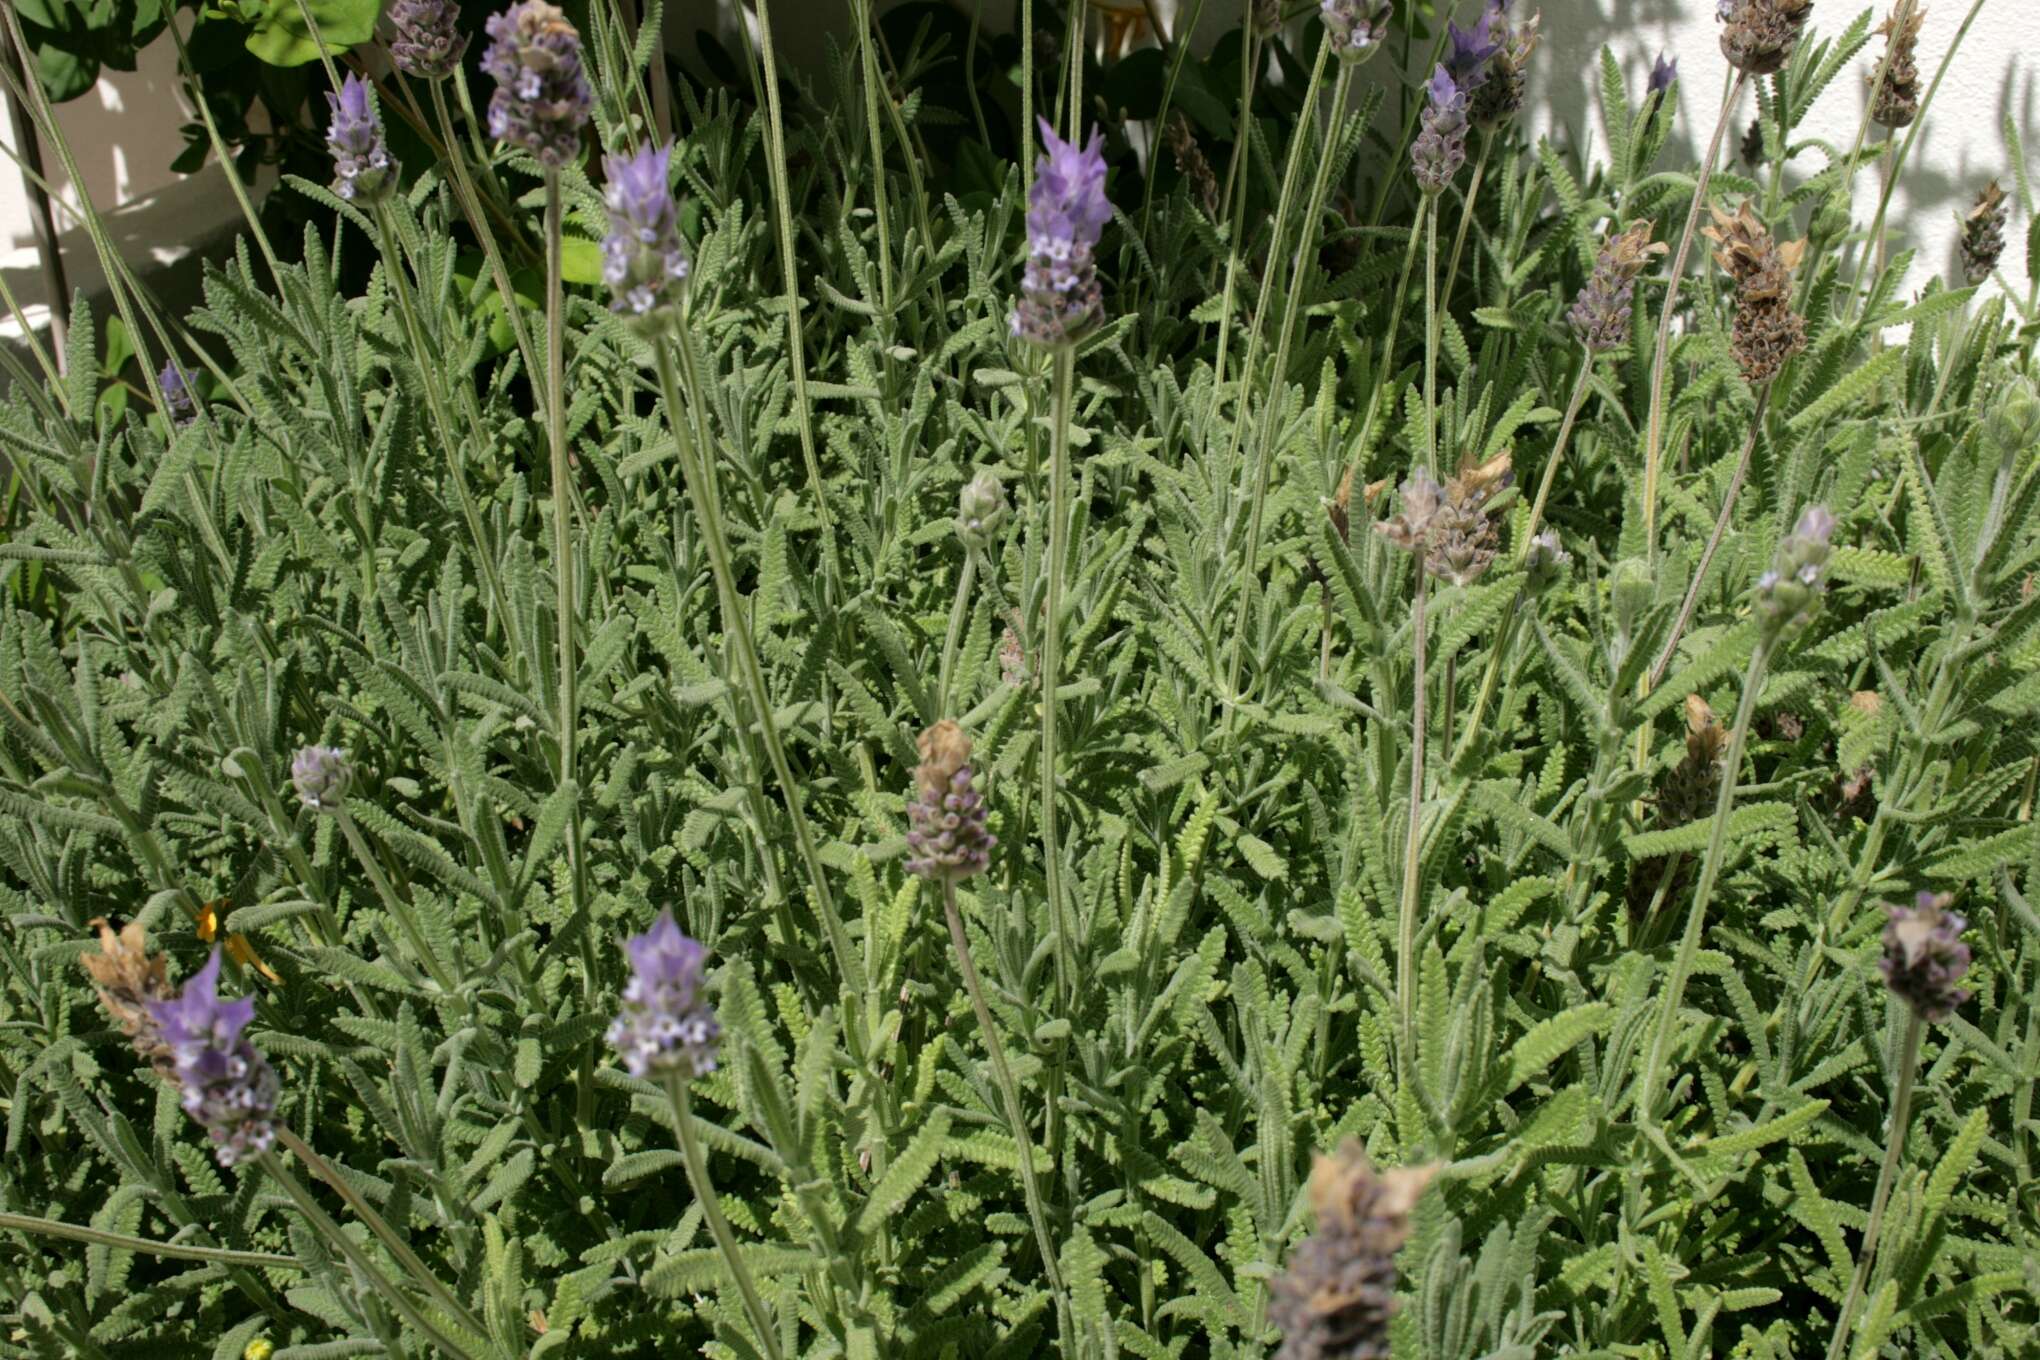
point(1060, 301)
point(1924, 957)
point(542, 98)
point(1497, 95)
point(424, 39)
point(177, 395)
point(1473, 48)
point(946, 818)
point(665, 1025)
point(644, 261)
point(362, 168)
point(1664, 73)
point(227, 1086)
point(1356, 29)
point(321, 774)
point(1440, 147)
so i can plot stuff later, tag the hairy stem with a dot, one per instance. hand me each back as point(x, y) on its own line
point(1686, 606)
point(1894, 1149)
point(711, 1212)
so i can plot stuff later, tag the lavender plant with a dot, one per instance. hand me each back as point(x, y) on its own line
point(1029, 635)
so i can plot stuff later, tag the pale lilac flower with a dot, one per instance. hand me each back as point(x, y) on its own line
point(665, 1024)
point(321, 774)
point(362, 168)
point(177, 394)
point(644, 261)
point(1662, 74)
point(1473, 48)
point(1440, 147)
point(228, 1087)
point(542, 98)
point(1924, 957)
point(1067, 210)
point(1356, 29)
point(425, 42)
point(1789, 594)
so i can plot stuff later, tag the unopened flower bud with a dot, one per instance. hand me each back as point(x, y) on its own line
point(1546, 563)
point(980, 509)
point(1789, 594)
point(321, 774)
point(2014, 421)
point(1924, 957)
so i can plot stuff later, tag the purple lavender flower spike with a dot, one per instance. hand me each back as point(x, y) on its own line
point(177, 395)
point(946, 816)
point(1789, 594)
point(362, 168)
point(1067, 210)
point(1472, 49)
point(644, 261)
point(542, 98)
point(424, 41)
point(1356, 29)
point(1924, 957)
point(228, 1087)
point(665, 1025)
point(1662, 73)
point(1440, 147)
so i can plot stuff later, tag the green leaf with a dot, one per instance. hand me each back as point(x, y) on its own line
point(906, 1173)
point(279, 35)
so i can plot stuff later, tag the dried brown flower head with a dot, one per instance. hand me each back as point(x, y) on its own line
point(1983, 234)
point(1895, 100)
point(1757, 36)
point(1449, 526)
point(1753, 144)
point(1336, 1298)
point(1181, 140)
point(1767, 331)
point(129, 978)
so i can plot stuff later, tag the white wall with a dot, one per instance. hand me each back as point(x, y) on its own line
point(125, 132)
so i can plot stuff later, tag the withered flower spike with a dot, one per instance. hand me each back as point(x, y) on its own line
point(130, 979)
point(1767, 331)
point(1895, 100)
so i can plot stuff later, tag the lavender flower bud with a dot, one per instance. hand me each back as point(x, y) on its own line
point(1356, 29)
point(1440, 147)
point(321, 774)
point(1789, 594)
point(1471, 49)
point(1497, 94)
point(228, 1087)
point(1545, 564)
point(2014, 420)
point(1924, 957)
point(425, 41)
point(1767, 331)
point(1601, 315)
point(177, 396)
point(946, 818)
point(644, 261)
point(980, 509)
point(1895, 100)
point(665, 1024)
point(362, 168)
point(1664, 73)
point(1067, 210)
point(130, 980)
point(542, 98)
point(1449, 528)
point(1337, 1296)
point(1983, 234)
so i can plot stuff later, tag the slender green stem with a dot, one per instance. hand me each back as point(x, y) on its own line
point(323, 1224)
point(1487, 144)
point(1432, 310)
point(1660, 358)
point(1051, 665)
point(1009, 1092)
point(959, 615)
point(698, 472)
point(1395, 311)
point(861, 9)
point(176, 1251)
point(711, 1212)
point(1302, 266)
point(1710, 870)
point(228, 165)
point(1572, 414)
point(399, 904)
point(1894, 1149)
point(1686, 606)
point(1406, 933)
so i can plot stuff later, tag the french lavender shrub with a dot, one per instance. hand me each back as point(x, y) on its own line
point(784, 711)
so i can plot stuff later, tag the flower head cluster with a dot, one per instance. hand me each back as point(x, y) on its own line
point(980, 509)
point(1356, 29)
point(321, 774)
point(1895, 100)
point(130, 980)
point(1066, 213)
point(1440, 147)
point(1767, 331)
point(425, 41)
point(665, 1024)
point(1337, 1296)
point(946, 818)
point(542, 98)
point(1448, 527)
point(177, 396)
point(1601, 314)
point(228, 1087)
point(644, 261)
point(362, 168)
point(1757, 36)
point(1983, 234)
point(1498, 96)
point(1788, 595)
point(1924, 957)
